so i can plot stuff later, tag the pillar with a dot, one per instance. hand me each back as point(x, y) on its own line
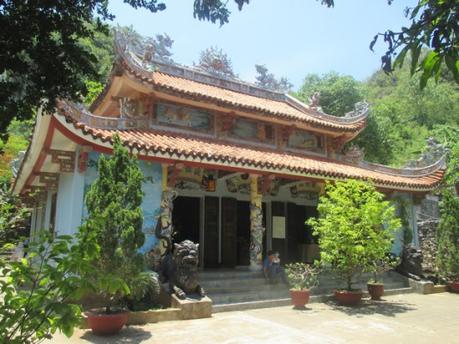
point(167, 203)
point(256, 225)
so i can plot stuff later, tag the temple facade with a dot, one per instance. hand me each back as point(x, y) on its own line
point(230, 165)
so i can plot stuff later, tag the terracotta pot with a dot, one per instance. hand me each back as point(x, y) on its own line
point(376, 290)
point(348, 298)
point(454, 286)
point(299, 297)
point(104, 324)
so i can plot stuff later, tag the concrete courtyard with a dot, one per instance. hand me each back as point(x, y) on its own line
point(409, 318)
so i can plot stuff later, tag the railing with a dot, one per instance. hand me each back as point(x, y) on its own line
point(406, 172)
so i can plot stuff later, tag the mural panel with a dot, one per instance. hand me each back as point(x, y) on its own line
point(184, 117)
point(300, 139)
point(308, 191)
point(193, 178)
point(151, 188)
point(252, 131)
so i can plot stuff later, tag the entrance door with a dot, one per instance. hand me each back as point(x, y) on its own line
point(211, 232)
point(229, 232)
point(185, 219)
point(296, 231)
point(279, 244)
point(243, 233)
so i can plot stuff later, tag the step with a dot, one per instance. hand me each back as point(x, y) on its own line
point(280, 302)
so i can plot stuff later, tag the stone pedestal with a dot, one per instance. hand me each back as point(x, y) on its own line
point(192, 308)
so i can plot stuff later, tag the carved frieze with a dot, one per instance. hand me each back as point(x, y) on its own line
point(65, 159)
point(50, 180)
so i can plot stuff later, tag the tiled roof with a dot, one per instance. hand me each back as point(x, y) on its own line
point(221, 96)
point(210, 151)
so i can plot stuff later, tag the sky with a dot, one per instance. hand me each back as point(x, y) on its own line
point(291, 37)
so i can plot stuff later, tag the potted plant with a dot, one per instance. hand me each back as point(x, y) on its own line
point(375, 285)
point(114, 223)
point(301, 277)
point(355, 227)
point(448, 239)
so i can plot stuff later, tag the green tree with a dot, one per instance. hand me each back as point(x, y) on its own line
point(338, 93)
point(16, 140)
point(13, 218)
point(405, 115)
point(355, 228)
point(115, 223)
point(448, 236)
point(38, 290)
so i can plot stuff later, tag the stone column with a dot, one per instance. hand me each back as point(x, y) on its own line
point(256, 225)
point(164, 226)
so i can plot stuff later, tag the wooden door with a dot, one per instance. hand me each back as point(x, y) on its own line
point(229, 232)
point(243, 233)
point(211, 232)
point(278, 244)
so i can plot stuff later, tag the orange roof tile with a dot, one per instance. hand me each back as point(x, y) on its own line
point(167, 83)
point(211, 151)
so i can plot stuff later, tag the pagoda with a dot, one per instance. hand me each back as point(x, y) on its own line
point(233, 166)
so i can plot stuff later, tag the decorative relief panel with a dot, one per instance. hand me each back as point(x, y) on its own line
point(308, 191)
point(184, 117)
point(252, 131)
point(304, 140)
point(192, 178)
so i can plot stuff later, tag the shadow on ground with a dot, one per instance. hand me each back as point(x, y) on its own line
point(369, 307)
point(128, 335)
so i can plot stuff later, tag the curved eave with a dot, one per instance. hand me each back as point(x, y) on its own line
point(35, 153)
point(162, 146)
point(291, 112)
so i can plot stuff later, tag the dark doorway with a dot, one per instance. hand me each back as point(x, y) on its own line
point(243, 233)
point(211, 218)
point(185, 219)
point(229, 232)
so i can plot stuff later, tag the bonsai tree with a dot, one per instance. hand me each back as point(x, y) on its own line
point(379, 266)
point(448, 236)
point(302, 276)
point(114, 222)
point(356, 227)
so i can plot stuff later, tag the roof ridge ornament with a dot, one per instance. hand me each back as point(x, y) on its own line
point(314, 101)
point(360, 109)
point(434, 152)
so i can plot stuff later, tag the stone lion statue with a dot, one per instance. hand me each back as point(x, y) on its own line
point(180, 269)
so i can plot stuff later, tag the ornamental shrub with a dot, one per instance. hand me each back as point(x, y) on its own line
point(356, 227)
point(302, 276)
point(115, 222)
point(448, 236)
point(36, 292)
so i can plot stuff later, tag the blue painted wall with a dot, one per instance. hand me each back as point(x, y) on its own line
point(151, 188)
point(398, 242)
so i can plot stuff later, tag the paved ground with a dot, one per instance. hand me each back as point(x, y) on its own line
point(410, 318)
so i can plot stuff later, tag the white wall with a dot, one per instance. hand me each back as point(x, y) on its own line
point(69, 203)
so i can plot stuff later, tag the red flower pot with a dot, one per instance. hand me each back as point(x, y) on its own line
point(348, 298)
point(104, 324)
point(454, 286)
point(299, 297)
point(376, 290)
